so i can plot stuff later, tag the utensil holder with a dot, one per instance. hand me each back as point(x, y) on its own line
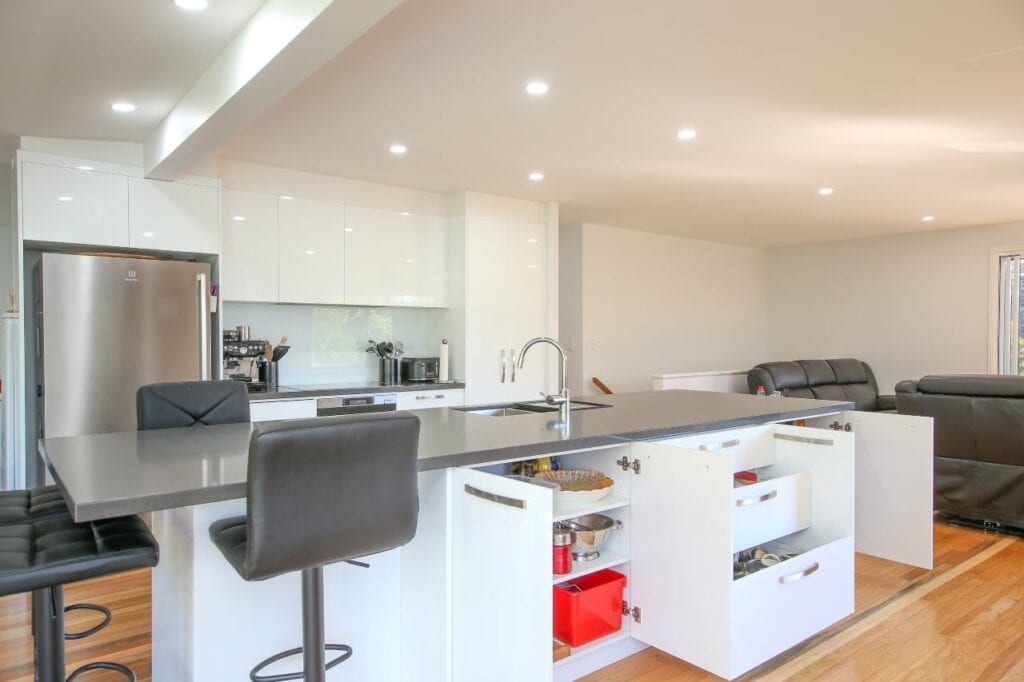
point(268, 373)
point(389, 371)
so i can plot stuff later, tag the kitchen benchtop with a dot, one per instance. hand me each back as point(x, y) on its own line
point(350, 388)
point(113, 474)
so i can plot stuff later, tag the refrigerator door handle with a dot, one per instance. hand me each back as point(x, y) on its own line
point(204, 327)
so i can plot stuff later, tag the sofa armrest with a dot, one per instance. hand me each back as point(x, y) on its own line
point(886, 403)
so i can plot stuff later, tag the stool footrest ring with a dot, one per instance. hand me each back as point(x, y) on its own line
point(104, 665)
point(255, 676)
point(94, 629)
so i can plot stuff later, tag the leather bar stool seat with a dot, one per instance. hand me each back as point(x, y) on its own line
point(20, 506)
point(191, 403)
point(322, 491)
point(41, 555)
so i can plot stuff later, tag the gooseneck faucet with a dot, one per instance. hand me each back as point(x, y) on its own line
point(562, 399)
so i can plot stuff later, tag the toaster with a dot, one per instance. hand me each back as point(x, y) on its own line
point(420, 369)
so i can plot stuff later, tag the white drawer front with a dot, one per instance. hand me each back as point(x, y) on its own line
point(749, 448)
point(785, 604)
point(268, 410)
point(419, 400)
point(767, 510)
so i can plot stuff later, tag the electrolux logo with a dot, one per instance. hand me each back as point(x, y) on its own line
point(132, 276)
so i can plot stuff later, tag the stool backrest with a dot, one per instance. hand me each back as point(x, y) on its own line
point(329, 489)
point(188, 403)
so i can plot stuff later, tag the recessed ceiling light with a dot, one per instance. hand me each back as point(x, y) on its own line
point(536, 176)
point(147, 234)
point(398, 149)
point(350, 229)
point(310, 252)
point(191, 5)
point(84, 167)
point(406, 214)
point(533, 240)
point(286, 197)
point(537, 88)
point(64, 198)
point(825, 191)
point(409, 260)
point(239, 218)
point(123, 107)
point(686, 134)
point(927, 218)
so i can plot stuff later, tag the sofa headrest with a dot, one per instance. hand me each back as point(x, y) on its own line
point(991, 385)
point(850, 371)
point(818, 372)
point(785, 374)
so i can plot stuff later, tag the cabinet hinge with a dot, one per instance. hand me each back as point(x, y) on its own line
point(634, 612)
point(627, 465)
point(836, 426)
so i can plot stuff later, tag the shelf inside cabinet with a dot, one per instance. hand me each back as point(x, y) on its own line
point(599, 643)
point(609, 558)
point(613, 501)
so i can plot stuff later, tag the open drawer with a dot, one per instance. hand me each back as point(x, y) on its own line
point(770, 508)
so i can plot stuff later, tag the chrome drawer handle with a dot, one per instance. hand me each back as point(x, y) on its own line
point(430, 397)
point(502, 365)
point(804, 439)
point(494, 497)
point(747, 501)
point(793, 577)
point(720, 446)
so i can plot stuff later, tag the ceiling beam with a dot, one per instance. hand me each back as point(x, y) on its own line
point(281, 46)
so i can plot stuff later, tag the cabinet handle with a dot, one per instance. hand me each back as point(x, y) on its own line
point(721, 446)
point(430, 397)
point(804, 439)
point(793, 577)
point(747, 501)
point(512, 356)
point(502, 365)
point(494, 497)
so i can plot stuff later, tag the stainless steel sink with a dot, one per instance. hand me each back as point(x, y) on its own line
point(513, 409)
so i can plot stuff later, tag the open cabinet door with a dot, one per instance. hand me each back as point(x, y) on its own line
point(502, 603)
point(894, 471)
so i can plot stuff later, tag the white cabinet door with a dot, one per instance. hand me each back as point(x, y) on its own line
point(311, 251)
point(420, 400)
point(894, 485)
point(248, 263)
point(502, 603)
point(172, 216)
point(374, 257)
point(425, 265)
point(526, 307)
point(488, 361)
point(73, 206)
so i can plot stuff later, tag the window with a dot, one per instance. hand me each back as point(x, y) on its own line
point(1011, 321)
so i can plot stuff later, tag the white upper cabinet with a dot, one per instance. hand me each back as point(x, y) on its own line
point(248, 263)
point(425, 262)
point(375, 257)
point(526, 307)
point(73, 206)
point(172, 216)
point(312, 251)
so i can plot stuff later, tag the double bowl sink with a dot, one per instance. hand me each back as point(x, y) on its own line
point(513, 409)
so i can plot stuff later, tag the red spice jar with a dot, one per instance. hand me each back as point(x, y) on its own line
point(562, 547)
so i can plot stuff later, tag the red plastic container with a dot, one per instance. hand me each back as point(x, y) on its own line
point(588, 607)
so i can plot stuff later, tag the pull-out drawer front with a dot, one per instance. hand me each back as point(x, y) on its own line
point(770, 509)
point(782, 605)
point(418, 400)
point(270, 410)
point(749, 448)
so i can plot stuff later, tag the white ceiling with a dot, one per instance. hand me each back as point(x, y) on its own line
point(63, 62)
point(906, 108)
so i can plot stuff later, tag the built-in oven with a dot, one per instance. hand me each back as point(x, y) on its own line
point(356, 404)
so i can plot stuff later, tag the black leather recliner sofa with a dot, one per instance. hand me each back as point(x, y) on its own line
point(979, 443)
point(844, 379)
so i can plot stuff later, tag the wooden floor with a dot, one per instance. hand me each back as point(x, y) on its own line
point(962, 621)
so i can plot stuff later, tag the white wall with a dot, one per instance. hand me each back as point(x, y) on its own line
point(649, 303)
point(907, 305)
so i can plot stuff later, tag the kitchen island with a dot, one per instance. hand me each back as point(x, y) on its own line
point(470, 597)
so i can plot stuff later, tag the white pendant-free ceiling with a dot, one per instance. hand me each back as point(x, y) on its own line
point(906, 108)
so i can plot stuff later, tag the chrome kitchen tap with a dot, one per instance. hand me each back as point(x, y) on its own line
point(562, 399)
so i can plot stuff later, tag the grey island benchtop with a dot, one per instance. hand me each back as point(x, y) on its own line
point(114, 474)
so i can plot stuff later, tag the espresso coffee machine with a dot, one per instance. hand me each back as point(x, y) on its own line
point(242, 359)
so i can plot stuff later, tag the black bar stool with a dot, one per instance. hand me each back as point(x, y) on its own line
point(21, 506)
point(191, 403)
point(42, 555)
point(322, 491)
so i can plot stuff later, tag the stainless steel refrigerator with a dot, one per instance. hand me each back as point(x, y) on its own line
point(106, 326)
